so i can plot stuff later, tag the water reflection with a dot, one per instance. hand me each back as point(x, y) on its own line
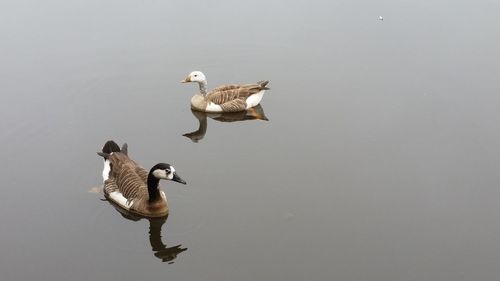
point(254, 113)
point(160, 250)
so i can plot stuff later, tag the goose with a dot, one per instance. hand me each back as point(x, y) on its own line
point(226, 98)
point(132, 187)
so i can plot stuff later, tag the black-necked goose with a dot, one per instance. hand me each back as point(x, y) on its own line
point(226, 98)
point(132, 187)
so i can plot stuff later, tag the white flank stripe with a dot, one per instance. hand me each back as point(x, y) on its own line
point(212, 107)
point(255, 99)
point(106, 170)
point(118, 198)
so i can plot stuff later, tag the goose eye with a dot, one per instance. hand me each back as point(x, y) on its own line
point(196, 75)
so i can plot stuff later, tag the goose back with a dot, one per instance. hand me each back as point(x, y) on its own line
point(130, 178)
point(227, 93)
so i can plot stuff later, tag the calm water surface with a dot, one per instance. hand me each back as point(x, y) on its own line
point(379, 159)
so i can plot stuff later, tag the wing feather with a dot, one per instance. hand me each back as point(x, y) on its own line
point(110, 186)
point(127, 177)
point(223, 94)
point(234, 105)
point(225, 87)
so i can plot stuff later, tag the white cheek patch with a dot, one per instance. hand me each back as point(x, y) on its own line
point(171, 174)
point(160, 174)
point(106, 170)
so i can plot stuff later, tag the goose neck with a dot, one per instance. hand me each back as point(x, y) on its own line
point(153, 191)
point(203, 87)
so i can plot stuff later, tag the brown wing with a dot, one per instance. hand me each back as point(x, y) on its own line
point(225, 87)
point(262, 84)
point(142, 173)
point(126, 176)
point(232, 92)
point(234, 105)
point(110, 186)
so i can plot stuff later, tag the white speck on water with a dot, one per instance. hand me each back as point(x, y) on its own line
point(380, 18)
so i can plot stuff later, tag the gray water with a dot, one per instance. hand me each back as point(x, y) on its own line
point(379, 159)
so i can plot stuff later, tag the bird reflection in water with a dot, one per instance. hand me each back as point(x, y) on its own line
point(160, 250)
point(254, 113)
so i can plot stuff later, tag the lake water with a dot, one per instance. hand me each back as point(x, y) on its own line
point(379, 160)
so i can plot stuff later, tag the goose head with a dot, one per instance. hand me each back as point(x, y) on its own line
point(163, 171)
point(195, 76)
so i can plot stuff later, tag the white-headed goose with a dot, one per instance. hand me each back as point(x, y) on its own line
point(132, 187)
point(226, 98)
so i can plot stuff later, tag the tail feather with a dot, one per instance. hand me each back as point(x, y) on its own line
point(104, 155)
point(109, 147)
point(263, 84)
point(124, 149)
